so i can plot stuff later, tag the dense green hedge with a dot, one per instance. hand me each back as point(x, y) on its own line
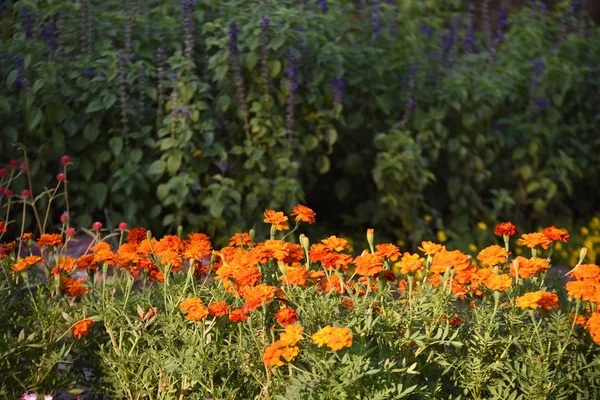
point(374, 114)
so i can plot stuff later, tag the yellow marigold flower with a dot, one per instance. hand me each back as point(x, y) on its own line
point(441, 236)
point(584, 231)
point(482, 226)
point(334, 338)
point(427, 218)
point(472, 247)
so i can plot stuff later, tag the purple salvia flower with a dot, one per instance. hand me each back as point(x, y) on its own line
point(411, 103)
point(50, 36)
point(501, 24)
point(375, 21)
point(338, 85)
point(292, 87)
point(487, 29)
point(237, 74)
point(449, 49)
point(129, 27)
point(323, 4)
point(188, 27)
point(21, 81)
point(123, 91)
point(88, 72)
point(264, 47)
point(470, 40)
point(27, 22)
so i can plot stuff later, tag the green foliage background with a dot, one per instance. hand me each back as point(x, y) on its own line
point(477, 146)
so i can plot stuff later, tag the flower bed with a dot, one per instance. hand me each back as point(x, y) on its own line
point(284, 318)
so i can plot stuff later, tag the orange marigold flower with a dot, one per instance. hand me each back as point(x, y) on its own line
point(410, 263)
point(291, 335)
point(82, 328)
point(2, 227)
point(331, 283)
point(449, 259)
point(535, 239)
point(328, 258)
point(505, 229)
point(23, 263)
point(218, 308)
point(136, 235)
point(584, 290)
point(587, 272)
point(529, 266)
point(50, 239)
point(66, 264)
point(286, 316)
point(294, 275)
point(27, 236)
point(304, 214)
point(194, 308)
point(73, 287)
point(492, 255)
point(593, 326)
point(430, 248)
point(546, 300)
point(239, 314)
point(277, 219)
point(335, 243)
point(86, 261)
point(368, 264)
point(259, 294)
point(580, 320)
point(556, 234)
point(498, 283)
point(155, 275)
point(240, 240)
point(272, 355)
point(6, 249)
point(334, 338)
point(388, 251)
point(198, 247)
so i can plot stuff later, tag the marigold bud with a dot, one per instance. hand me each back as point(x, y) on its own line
point(70, 232)
point(64, 160)
point(122, 226)
point(61, 177)
point(97, 226)
point(582, 254)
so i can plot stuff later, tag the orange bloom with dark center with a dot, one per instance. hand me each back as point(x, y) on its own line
point(23, 263)
point(492, 255)
point(529, 266)
point(546, 300)
point(388, 251)
point(218, 309)
point(50, 239)
point(286, 316)
point(430, 248)
point(277, 219)
point(194, 308)
point(505, 229)
point(6, 249)
point(556, 234)
point(334, 338)
point(368, 264)
point(410, 263)
point(498, 283)
point(73, 287)
point(335, 243)
point(303, 214)
point(136, 235)
point(240, 240)
point(535, 239)
point(82, 328)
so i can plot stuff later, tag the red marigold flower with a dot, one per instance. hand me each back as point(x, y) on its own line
point(505, 229)
point(556, 234)
point(239, 315)
point(304, 214)
point(286, 316)
point(82, 328)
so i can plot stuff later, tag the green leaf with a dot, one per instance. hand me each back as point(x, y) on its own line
point(216, 208)
point(323, 164)
point(11, 78)
point(98, 192)
point(251, 60)
point(174, 163)
point(116, 145)
point(275, 68)
point(162, 191)
point(157, 168)
point(91, 132)
point(95, 105)
point(310, 142)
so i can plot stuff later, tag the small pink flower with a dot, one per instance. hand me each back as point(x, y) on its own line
point(2, 190)
point(28, 396)
point(48, 397)
point(70, 232)
point(64, 160)
point(8, 192)
point(64, 217)
point(13, 163)
point(25, 194)
point(97, 226)
point(61, 177)
point(3, 172)
point(122, 226)
point(24, 166)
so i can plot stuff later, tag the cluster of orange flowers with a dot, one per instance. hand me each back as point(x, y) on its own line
point(545, 300)
point(586, 287)
point(194, 308)
point(334, 338)
point(284, 347)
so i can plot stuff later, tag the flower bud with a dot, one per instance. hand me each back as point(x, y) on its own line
point(64, 160)
point(122, 226)
point(179, 231)
point(70, 232)
point(8, 192)
point(2, 190)
point(252, 233)
point(13, 163)
point(61, 177)
point(582, 254)
point(25, 194)
point(149, 235)
point(24, 166)
point(97, 226)
point(3, 172)
point(64, 218)
point(305, 242)
point(370, 237)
